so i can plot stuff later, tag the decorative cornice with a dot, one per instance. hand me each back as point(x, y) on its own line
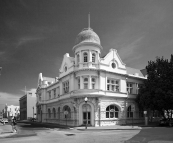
point(87, 43)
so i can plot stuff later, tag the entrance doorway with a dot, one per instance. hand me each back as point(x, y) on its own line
point(86, 108)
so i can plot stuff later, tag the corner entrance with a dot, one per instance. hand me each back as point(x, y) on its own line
point(86, 109)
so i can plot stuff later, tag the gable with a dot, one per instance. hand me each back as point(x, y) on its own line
point(66, 63)
point(113, 57)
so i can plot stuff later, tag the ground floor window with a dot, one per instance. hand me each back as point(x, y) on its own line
point(112, 111)
point(54, 113)
point(129, 112)
point(49, 113)
point(59, 113)
point(67, 112)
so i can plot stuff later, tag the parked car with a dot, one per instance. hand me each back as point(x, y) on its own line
point(166, 122)
point(4, 120)
point(32, 119)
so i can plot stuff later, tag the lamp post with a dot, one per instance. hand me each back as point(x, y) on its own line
point(86, 99)
point(126, 102)
point(33, 111)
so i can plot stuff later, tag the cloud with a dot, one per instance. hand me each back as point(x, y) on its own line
point(129, 50)
point(28, 90)
point(26, 40)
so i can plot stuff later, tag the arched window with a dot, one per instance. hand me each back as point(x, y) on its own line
point(129, 112)
point(112, 111)
point(93, 57)
point(54, 112)
point(85, 82)
point(49, 113)
point(59, 112)
point(85, 57)
point(67, 112)
point(78, 58)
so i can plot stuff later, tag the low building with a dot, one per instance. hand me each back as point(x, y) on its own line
point(11, 110)
point(90, 89)
point(28, 105)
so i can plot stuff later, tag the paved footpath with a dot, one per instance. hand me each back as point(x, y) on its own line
point(6, 130)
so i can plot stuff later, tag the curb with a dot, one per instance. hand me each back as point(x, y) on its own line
point(6, 134)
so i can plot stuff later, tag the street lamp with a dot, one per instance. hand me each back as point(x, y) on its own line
point(86, 99)
point(126, 113)
point(33, 111)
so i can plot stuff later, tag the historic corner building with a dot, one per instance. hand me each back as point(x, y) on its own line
point(109, 85)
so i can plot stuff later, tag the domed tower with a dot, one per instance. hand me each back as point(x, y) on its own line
point(87, 48)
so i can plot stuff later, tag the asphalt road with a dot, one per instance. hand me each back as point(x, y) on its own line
point(155, 134)
point(46, 135)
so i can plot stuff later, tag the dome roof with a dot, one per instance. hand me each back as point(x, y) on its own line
point(87, 35)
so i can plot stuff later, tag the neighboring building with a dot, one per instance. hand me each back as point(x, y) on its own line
point(109, 85)
point(11, 110)
point(1, 115)
point(28, 105)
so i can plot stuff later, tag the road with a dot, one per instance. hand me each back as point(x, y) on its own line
point(46, 135)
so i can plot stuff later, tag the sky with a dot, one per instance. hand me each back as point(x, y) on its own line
point(35, 34)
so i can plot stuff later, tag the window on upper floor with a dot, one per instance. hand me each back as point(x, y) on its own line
point(129, 87)
point(58, 91)
point(65, 68)
point(113, 65)
point(138, 87)
point(39, 97)
point(85, 57)
point(85, 82)
point(78, 58)
point(49, 94)
point(54, 93)
point(78, 82)
point(113, 85)
point(66, 86)
point(93, 80)
point(93, 57)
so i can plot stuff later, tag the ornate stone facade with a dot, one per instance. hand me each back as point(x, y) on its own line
point(109, 85)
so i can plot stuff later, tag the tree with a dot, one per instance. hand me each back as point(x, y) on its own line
point(157, 91)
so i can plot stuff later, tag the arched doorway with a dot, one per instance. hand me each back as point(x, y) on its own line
point(86, 114)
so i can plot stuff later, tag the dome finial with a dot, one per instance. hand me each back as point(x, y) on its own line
point(89, 20)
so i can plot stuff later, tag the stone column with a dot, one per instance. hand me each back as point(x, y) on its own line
point(89, 82)
point(81, 82)
point(81, 61)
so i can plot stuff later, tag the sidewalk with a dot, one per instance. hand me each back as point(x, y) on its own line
point(6, 130)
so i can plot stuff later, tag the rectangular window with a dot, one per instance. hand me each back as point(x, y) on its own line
point(49, 94)
point(54, 93)
point(85, 85)
point(66, 86)
point(78, 83)
point(129, 88)
point(93, 83)
point(58, 91)
point(113, 85)
point(138, 87)
point(85, 82)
